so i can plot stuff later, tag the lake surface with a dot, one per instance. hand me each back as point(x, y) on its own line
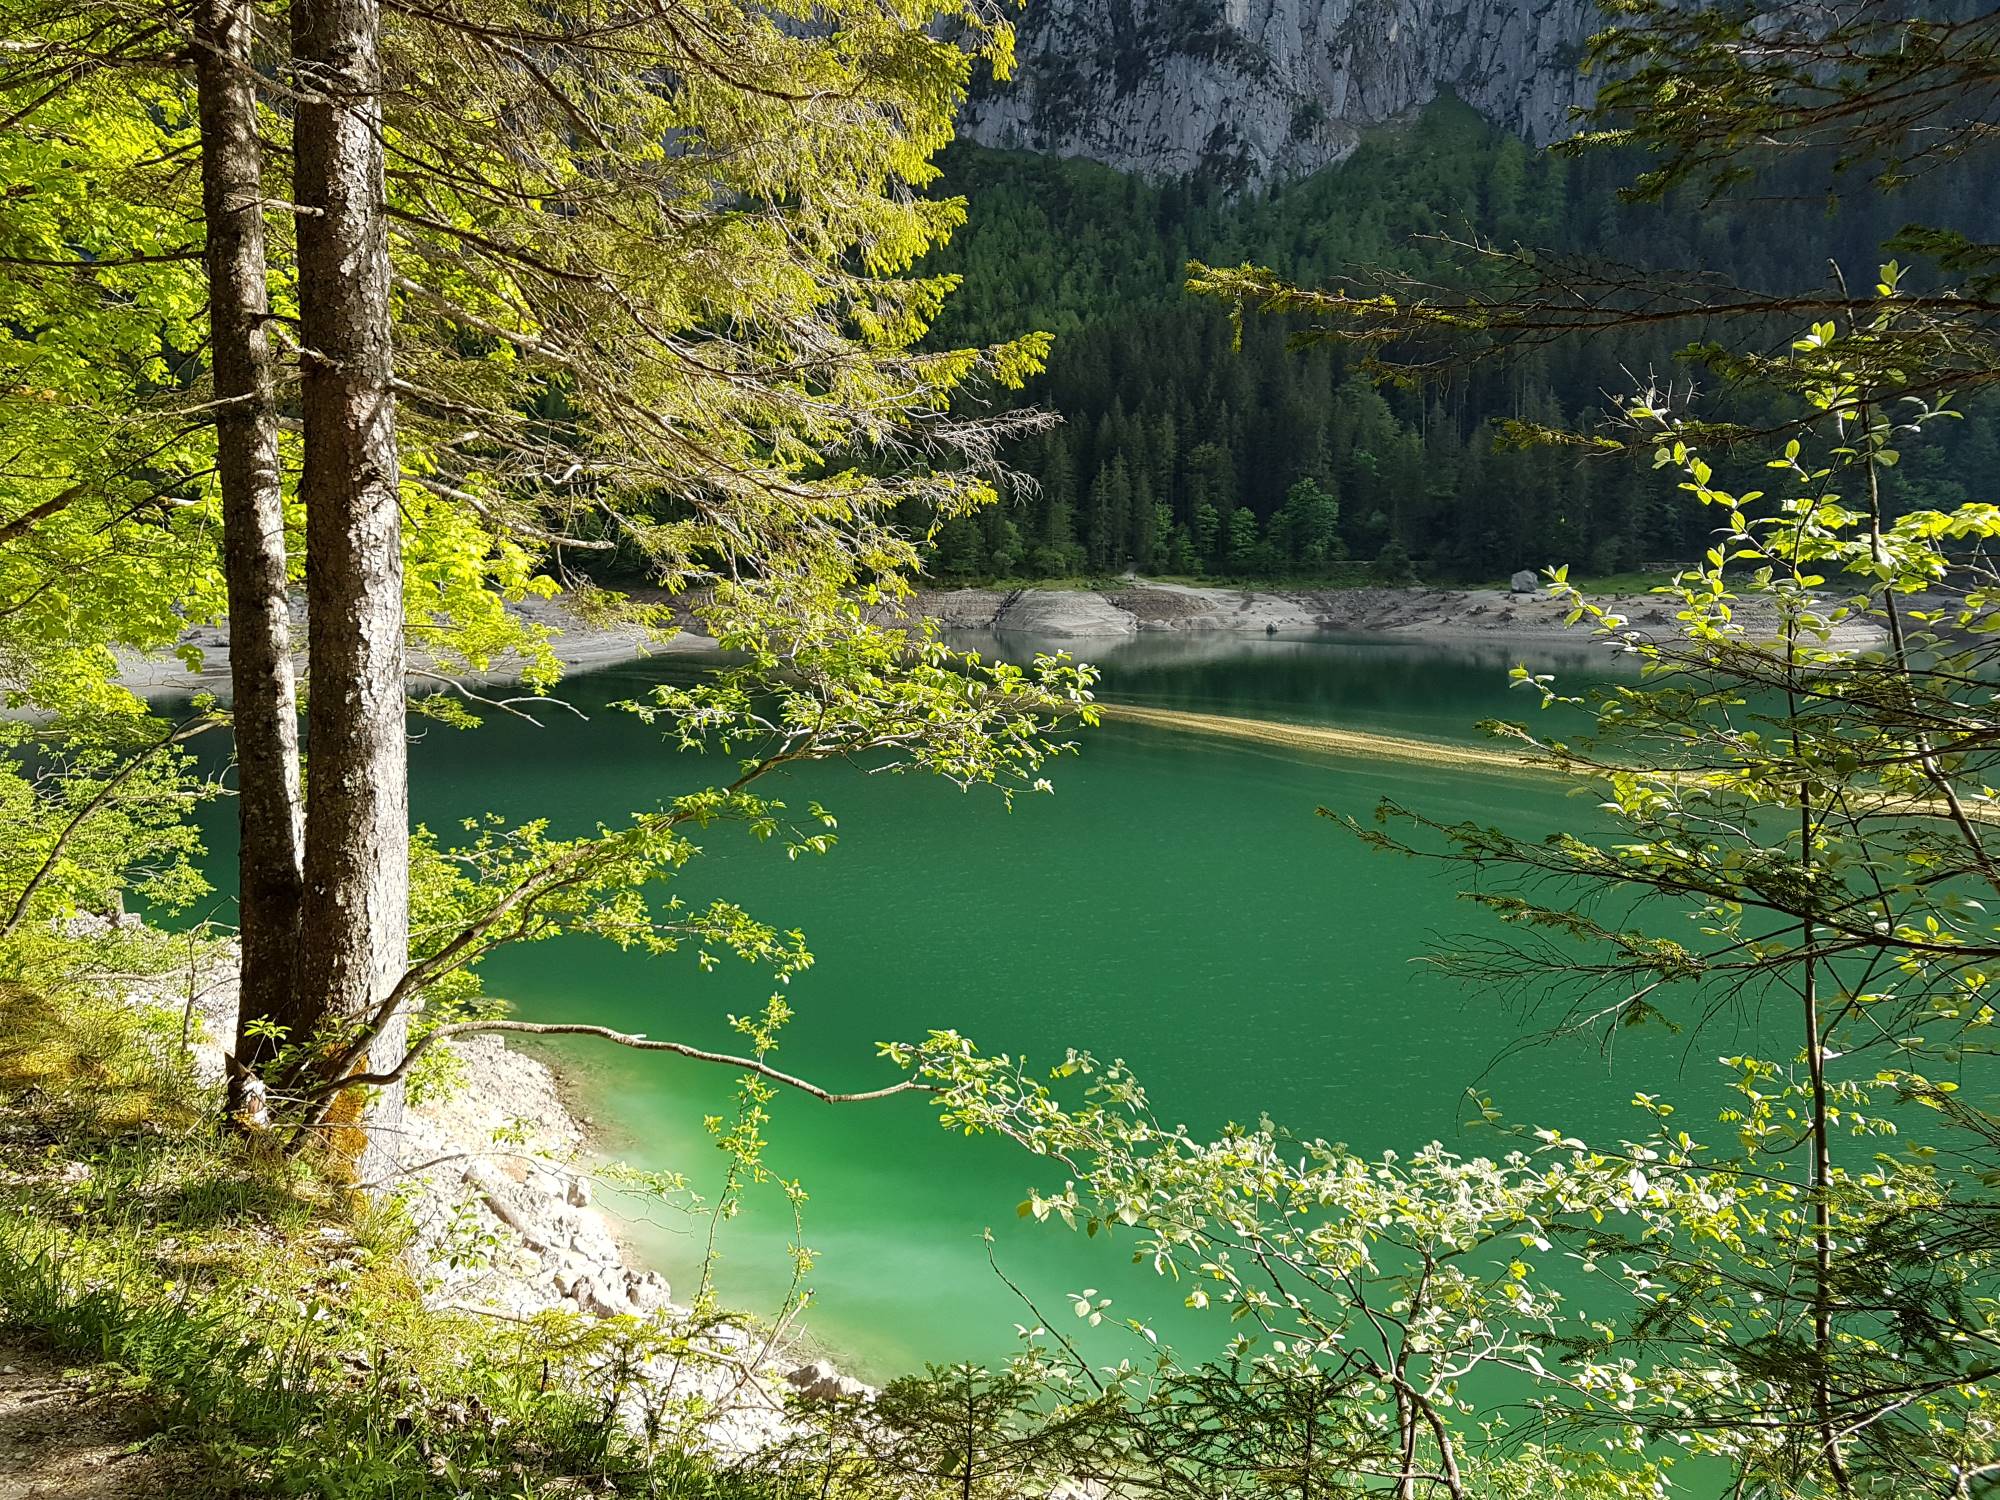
point(1176, 902)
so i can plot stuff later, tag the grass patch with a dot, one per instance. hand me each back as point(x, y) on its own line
point(266, 1313)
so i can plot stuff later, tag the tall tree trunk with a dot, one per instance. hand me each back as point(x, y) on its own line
point(269, 810)
point(355, 932)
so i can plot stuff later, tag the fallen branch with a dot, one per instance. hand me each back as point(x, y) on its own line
point(634, 1040)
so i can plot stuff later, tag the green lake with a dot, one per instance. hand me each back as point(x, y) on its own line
point(1176, 902)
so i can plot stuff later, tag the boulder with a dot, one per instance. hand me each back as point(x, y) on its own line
point(1524, 582)
point(646, 1290)
point(546, 1183)
point(820, 1381)
point(1082, 613)
point(595, 1296)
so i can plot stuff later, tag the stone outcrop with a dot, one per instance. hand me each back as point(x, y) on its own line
point(1260, 91)
point(819, 1380)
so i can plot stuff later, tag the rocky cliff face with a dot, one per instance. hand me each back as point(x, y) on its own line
point(1255, 91)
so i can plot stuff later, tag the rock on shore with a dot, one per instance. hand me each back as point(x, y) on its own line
point(501, 1198)
point(1516, 615)
point(1099, 614)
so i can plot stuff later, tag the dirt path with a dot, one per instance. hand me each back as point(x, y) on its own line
point(64, 1436)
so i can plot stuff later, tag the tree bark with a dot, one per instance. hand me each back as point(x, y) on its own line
point(269, 810)
point(355, 932)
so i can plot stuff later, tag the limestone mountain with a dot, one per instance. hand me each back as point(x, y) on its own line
point(1260, 91)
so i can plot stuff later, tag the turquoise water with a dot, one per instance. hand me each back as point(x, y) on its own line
point(1176, 903)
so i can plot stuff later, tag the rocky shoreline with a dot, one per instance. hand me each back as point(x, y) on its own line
point(1520, 615)
point(499, 1164)
point(499, 1191)
point(580, 645)
point(1130, 607)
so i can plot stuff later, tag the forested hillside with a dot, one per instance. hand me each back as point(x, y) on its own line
point(1180, 453)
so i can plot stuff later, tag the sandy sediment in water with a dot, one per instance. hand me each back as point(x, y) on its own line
point(1330, 741)
point(1498, 758)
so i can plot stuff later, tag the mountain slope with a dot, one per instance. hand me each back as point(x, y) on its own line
point(1183, 450)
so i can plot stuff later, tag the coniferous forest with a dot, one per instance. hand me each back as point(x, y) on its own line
point(1192, 447)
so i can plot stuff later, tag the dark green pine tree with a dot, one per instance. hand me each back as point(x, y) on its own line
point(1108, 517)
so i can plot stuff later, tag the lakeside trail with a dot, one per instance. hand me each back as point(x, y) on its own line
point(69, 1434)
